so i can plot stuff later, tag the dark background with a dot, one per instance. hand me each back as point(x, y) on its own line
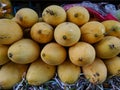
point(39, 5)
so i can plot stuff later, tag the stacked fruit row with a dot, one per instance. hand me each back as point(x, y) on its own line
point(67, 43)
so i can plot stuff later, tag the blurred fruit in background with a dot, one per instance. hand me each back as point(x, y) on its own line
point(5, 9)
point(117, 14)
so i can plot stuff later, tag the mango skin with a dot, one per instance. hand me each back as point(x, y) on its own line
point(54, 15)
point(96, 72)
point(82, 54)
point(24, 51)
point(10, 31)
point(3, 54)
point(108, 47)
point(112, 28)
point(51, 52)
point(113, 65)
point(68, 72)
point(40, 72)
point(11, 73)
point(26, 17)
